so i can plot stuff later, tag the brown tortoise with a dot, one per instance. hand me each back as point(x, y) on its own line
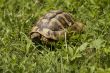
point(53, 26)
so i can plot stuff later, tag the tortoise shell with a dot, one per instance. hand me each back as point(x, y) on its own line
point(53, 25)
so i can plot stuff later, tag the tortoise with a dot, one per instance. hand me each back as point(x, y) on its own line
point(52, 26)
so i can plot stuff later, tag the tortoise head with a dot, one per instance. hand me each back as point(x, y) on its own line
point(34, 35)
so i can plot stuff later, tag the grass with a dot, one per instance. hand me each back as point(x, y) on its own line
point(87, 52)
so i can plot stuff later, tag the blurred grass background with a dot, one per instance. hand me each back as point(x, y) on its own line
point(88, 52)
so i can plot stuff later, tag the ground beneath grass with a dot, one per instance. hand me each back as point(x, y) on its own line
point(87, 52)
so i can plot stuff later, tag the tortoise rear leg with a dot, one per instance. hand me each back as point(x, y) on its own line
point(77, 27)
